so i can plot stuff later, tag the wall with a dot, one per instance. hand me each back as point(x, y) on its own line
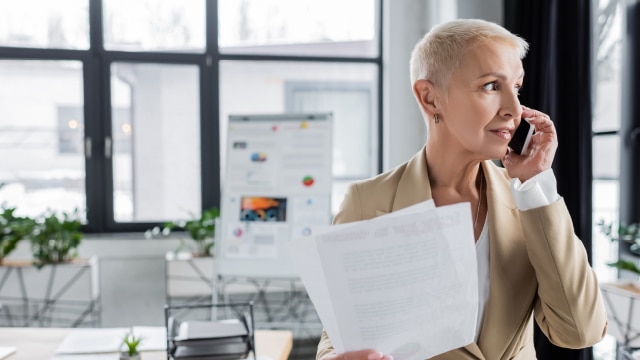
point(404, 23)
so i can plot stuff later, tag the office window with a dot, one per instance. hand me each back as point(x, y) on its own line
point(606, 124)
point(41, 166)
point(132, 131)
point(61, 24)
point(606, 143)
point(154, 25)
point(298, 27)
point(156, 163)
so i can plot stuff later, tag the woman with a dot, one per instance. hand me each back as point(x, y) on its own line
point(466, 75)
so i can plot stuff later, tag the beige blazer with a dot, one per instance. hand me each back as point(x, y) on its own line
point(536, 265)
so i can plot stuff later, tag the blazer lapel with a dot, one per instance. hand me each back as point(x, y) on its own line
point(413, 186)
point(510, 288)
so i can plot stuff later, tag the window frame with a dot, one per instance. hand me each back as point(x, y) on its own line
point(96, 67)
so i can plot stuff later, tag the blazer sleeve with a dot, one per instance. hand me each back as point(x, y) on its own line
point(569, 307)
point(350, 211)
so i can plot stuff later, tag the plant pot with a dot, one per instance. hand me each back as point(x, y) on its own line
point(126, 356)
point(61, 295)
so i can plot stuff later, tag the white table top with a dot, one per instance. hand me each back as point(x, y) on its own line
point(41, 343)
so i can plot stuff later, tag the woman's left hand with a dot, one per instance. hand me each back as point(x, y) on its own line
point(542, 148)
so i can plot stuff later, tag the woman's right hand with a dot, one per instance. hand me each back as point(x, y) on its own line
point(368, 354)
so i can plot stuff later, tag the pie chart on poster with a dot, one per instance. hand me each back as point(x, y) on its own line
point(308, 181)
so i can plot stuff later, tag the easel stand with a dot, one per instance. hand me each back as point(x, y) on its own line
point(280, 303)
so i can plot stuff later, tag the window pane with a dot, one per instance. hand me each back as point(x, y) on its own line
point(41, 152)
point(62, 24)
point(606, 157)
point(298, 27)
point(154, 25)
point(608, 64)
point(605, 208)
point(606, 149)
point(348, 91)
point(156, 141)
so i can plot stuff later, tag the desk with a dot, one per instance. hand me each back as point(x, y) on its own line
point(41, 343)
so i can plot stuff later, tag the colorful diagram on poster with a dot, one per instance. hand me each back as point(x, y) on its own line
point(237, 232)
point(308, 181)
point(263, 209)
point(259, 157)
point(239, 144)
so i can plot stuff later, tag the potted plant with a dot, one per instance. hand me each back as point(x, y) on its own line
point(131, 342)
point(201, 231)
point(12, 230)
point(55, 240)
point(28, 283)
point(623, 233)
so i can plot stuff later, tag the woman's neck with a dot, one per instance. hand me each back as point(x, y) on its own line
point(452, 170)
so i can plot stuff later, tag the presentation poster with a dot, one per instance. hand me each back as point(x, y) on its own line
point(277, 184)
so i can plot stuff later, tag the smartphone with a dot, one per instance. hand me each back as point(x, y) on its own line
point(520, 141)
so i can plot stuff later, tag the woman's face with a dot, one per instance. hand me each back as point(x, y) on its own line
point(482, 109)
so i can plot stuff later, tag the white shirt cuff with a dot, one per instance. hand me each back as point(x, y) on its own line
point(536, 192)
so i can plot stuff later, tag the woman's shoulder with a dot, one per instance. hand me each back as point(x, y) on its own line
point(368, 198)
point(388, 179)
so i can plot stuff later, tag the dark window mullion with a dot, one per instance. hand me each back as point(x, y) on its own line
point(210, 112)
point(380, 84)
point(94, 165)
point(605, 133)
point(40, 53)
point(93, 80)
point(109, 213)
point(152, 57)
point(296, 58)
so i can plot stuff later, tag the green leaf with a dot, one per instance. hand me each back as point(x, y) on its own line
point(625, 265)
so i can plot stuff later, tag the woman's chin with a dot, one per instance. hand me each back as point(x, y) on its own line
point(498, 154)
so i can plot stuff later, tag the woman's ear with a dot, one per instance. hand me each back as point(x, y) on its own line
point(425, 92)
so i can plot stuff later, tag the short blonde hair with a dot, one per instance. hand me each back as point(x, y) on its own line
point(439, 53)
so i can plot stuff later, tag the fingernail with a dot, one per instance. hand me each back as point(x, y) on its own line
point(375, 356)
point(387, 357)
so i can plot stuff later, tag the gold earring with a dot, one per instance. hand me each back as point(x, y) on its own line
point(435, 118)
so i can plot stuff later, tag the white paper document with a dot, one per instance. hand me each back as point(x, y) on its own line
point(100, 356)
point(110, 340)
point(5, 351)
point(153, 337)
point(404, 283)
point(92, 341)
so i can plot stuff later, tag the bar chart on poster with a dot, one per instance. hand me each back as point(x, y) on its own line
point(277, 185)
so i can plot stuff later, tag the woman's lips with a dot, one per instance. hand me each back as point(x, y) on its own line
point(503, 133)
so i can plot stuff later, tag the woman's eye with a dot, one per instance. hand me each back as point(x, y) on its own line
point(492, 86)
point(518, 88)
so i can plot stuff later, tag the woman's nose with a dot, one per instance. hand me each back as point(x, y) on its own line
point(511, 107)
